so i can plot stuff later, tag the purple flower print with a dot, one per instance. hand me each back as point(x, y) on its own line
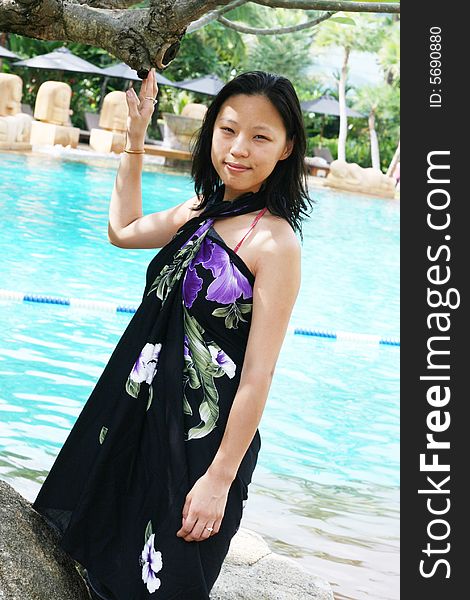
point(222, 360)
point(192, 284)
point(145, 366)
point(151, 564)
point(186, 346)
point(229, 284)
point(205, 252)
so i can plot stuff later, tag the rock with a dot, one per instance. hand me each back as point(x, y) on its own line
point(252, 572)
point(32, 565)
point(353, 178)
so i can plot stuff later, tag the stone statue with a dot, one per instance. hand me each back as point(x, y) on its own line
point(11, 90)
point(111, 136)
point(52, 112)
point(114, 112)
point(353, 178)
point(53, 103)
point(15, 126)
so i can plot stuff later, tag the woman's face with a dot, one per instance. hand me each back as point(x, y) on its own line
point(248, 131)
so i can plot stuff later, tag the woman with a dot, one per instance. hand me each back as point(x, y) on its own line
point(149, 487)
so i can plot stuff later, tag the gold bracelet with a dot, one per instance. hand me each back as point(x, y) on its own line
point(135, 151)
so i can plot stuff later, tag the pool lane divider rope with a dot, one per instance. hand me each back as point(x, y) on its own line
point(111, 307)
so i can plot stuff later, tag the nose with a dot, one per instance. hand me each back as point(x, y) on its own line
point(239, 146)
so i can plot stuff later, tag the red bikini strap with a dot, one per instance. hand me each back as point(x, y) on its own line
point(256, 219)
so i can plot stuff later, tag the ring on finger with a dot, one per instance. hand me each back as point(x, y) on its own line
point(154, 100)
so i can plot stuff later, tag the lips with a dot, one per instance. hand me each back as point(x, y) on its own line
point(236, 167)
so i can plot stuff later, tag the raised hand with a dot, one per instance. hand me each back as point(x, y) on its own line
point(140, 108)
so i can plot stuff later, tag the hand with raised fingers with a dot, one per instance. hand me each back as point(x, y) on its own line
point(141, 107)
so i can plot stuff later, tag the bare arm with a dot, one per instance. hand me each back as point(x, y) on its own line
point(127, 226)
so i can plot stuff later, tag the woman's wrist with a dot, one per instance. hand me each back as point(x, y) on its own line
point(134, 144)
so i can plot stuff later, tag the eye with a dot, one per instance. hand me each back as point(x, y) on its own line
point(261, 136)
point(226, 129)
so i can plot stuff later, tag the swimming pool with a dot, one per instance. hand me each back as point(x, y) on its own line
point(326, 487)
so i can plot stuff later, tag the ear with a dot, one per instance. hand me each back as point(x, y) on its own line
point(288, 149)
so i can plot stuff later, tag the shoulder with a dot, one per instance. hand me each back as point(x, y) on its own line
point(193, 203)
point(278, 243)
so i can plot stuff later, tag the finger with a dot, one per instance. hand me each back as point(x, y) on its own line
point(132, 104)
point(187, 527)
point(155, 85)
point(199, 531)
point(135, 96)
point(206, 533)
point(217, 524)
point(143, 88)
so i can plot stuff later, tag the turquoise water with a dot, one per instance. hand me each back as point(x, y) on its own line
point(326, 487)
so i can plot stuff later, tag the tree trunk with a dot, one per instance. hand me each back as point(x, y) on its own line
point(322, 127)
point(395, 159)
point(343, 119)
point(374, 142)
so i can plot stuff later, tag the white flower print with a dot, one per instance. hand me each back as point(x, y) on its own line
point(222, 360)
point(151, 564)
point(145, 366)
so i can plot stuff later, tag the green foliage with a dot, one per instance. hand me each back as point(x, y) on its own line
point(383, 99)
point(285, 54)
point(213, 49)
point(357, 149)
point(365, 35)
point(389, 54)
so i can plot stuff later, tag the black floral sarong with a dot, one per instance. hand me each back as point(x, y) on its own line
point(154, 422)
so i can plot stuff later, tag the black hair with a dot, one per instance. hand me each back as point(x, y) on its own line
point(286, 186)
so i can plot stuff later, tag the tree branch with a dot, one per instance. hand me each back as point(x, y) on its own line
point(142, 38)
point(213, 15)
point(334, 5)
point(277, 30)
point(110, 4)
point(191, 10)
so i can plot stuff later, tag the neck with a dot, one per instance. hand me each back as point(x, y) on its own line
point(228, 197)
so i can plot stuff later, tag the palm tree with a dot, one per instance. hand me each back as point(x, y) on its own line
point(363, 34)
point(377, 101)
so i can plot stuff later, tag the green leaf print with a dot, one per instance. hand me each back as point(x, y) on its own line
point(148, 531)
point(244, 308)
point(202, 359)
point(171, 273)
point(190, 372)
point(232, 314)
point(132, 387)
point(186, 406)
point(150, 396)
point(103, 432)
